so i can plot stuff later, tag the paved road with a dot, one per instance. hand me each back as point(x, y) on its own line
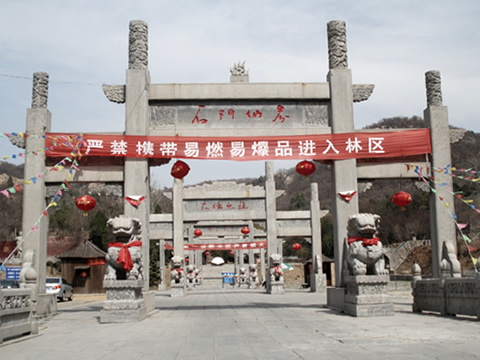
point(249, 324)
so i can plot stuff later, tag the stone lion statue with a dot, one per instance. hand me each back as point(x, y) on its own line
point(252, 276)
point(124, 256)
point(276, 272)
point(198, 277)
point(176, 273)
point(363, 249)
point(190, 276)
point(242, 276)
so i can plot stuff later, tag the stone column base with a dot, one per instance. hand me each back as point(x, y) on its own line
point(177, 290)
point(124, 302)
point(46, 305)
point(319, 283)
point(367, 296)
point(336, 298)
point(149, 299)
point(277, 287)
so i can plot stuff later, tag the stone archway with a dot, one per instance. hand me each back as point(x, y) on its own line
point(310, 115)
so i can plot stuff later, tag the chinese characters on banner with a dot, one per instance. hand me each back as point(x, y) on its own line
point(228, 246)
point(315, 147)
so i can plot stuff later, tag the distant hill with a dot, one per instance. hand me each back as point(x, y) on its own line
point(7, 170)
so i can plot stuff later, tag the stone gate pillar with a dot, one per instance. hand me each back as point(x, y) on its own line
point(178, 236)
point(443, 231)
point(162, 285)
point(34, 255)
point(271, 211)
point(344, 172)
point(317, 278)
point(137, 116)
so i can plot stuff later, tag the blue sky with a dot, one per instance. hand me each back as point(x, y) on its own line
point(83, 44)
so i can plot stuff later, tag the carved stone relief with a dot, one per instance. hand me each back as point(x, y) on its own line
point(337, 45)
point(40, 90)
point(434, 88)
point(138, 45)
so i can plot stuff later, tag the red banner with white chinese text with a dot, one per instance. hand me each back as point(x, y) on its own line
point(315, 147)
point(229, 246)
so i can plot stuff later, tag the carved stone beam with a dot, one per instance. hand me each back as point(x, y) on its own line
point(116, 93)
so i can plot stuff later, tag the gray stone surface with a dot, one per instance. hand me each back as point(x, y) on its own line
point(177, 290)
point(367, 295)
point(246, 324)
point(124, 302)
point(16, 313)
point(442, 228)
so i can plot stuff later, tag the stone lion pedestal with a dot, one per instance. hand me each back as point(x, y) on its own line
point(124, 302)
point(367, 296)
point(277, 287)
point(177, 290)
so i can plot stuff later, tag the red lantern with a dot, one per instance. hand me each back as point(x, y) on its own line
point(85, 203)
point(232, 253)
point(402, 199)
point(305, 168)
point(197, 232)
point(187, 260)
point(207, 253)
point(296, 246)
point(245, 230)
point(180, 169)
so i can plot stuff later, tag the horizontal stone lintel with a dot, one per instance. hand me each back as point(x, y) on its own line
point(227, 91)
point(238, 90)
point(86, 174)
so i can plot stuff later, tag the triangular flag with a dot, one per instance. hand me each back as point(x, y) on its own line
point(347, 195)
point(135, 200)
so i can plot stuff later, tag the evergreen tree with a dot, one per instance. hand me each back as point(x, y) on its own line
point(154, 273)
point(98, 230)
point(298, 202)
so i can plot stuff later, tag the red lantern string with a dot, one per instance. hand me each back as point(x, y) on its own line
point(85, 203)
point(296, 246)
point(245, 230)
point(305, 168)
point(402, 199)
point(180, 169)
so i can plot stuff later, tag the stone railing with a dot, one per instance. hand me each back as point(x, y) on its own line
point(448, 296)
point(16, 318)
